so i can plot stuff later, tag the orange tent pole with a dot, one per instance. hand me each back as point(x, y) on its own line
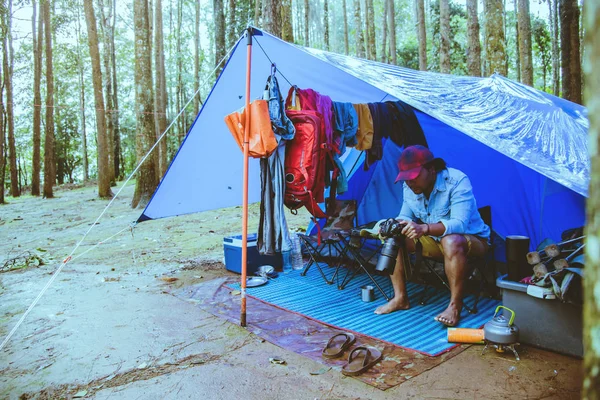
point(245, 191)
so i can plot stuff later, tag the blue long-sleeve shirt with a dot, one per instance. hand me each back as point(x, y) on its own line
point(451, 202)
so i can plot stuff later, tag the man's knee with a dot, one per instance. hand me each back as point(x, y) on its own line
point(455, 245)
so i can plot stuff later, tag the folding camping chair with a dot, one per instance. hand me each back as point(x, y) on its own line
point(363, 247)
point(327, 247)
point(479, 267)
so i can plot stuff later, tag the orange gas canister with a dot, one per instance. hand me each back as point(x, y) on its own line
point(465, 335)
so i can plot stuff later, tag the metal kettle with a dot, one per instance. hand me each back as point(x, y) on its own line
point(501, 330)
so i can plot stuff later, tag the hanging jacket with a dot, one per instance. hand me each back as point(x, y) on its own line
point(364, 134)
point(407, 131)
point(345, 125)
point(281, 124)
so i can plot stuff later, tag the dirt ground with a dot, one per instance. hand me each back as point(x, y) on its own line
point(110, 326)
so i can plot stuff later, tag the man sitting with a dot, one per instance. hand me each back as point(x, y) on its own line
point(440, 211)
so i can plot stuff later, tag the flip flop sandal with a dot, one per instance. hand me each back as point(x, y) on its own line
point(338, 344)
point(361, 359)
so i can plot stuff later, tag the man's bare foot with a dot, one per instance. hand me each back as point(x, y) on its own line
point(450, 316)
point(394, 304)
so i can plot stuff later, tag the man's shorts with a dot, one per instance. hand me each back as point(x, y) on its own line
point(433, 248)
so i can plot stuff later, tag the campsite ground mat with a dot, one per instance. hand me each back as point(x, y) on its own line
point(414, 328)
point(307, 336)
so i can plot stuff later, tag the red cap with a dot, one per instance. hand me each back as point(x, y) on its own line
point(411, 161)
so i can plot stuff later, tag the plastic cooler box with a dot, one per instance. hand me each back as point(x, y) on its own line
point(546, 323)
point(232, 247)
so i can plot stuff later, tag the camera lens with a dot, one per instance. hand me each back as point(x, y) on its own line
point(387, 257)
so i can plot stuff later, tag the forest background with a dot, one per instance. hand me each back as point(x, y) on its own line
point(88, 86)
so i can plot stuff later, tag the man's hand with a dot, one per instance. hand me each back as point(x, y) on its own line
point(412, 230)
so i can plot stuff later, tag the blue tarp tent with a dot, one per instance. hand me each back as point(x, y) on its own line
point(525, 151)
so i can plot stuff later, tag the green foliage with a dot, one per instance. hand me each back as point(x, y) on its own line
point(24, 260)
point(458, 40)
point(512, 47)
point(408, 55)
point(542, 50)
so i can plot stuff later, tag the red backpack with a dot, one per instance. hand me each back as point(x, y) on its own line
point(305, 163)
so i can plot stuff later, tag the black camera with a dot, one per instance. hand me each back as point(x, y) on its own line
point(391, 230)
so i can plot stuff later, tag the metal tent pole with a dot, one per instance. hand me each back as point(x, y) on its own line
point(245, 191)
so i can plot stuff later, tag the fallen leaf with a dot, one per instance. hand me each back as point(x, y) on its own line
point(278, 361)
point(235, 293)
point(79, 394)
point(321, 371)
point(41, 367)
point(168, 279)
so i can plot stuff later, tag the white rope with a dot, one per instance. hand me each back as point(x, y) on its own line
point(39, 296)
point(70, 256)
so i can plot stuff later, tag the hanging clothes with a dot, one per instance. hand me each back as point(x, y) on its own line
point(279, 121)
point(273, 233)
point(364, 133)
point(345, 125)
point(407, 130)
point(382, 127)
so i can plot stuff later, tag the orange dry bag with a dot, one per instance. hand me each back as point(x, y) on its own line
point(261, 138)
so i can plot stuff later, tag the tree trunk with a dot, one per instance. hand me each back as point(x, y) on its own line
point(2, 141)
point(517, 52)
point(371, 30)
point(287, 30)
point(105, 20)
point(117, 158)
point(37, 99)
point(306, 14)
point(7, 64)
point(553, 4)
point(220, 51)
point(49, 167)
point(392, 31)
point(197, 49)
point(346, 43)
point(444, 37)
point(146, 180)
point(473, 43)
point(525, 51)
point(160, 102)
point(180, 101)
point(231, 25)
point(569, 41)
point(384, 32)
point(272, 17)
point(422, 35)
point(591, 305)
point(360, 41)
point(326, 23)
point(575, 59)
point(103, 171)
point(257, 8)
point(298, 28)
point(494, 35)
point(84, 153)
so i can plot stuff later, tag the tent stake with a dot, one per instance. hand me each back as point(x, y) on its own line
point(245, 191)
